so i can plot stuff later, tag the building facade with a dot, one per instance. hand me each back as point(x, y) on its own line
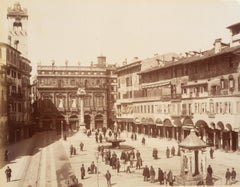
point(3, 108)
point(197, 90)
point(59, 102)
point(17, 71)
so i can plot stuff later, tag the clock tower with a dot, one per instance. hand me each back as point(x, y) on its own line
point(17, 28)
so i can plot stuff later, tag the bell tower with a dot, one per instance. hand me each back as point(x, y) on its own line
point(17, 28)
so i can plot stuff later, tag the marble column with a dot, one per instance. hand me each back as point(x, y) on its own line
point(81, 93)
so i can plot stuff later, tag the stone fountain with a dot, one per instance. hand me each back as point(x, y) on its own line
point(115, 141)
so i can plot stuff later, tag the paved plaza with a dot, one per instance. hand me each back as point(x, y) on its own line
point(44, 160)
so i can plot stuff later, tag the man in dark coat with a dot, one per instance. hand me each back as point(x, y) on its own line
point(209, 180)
point(143, 141)
point(233, 175)
point(118, 165)
point(160, 176)
point(211, 152)
point(209, 170)
point(167, 152)
point(170, 178)
point(81, 146)
point(82, 169)
point(6, 155)
point(100, 138)
point(146, 173)
point(108, 178)
point(228, 176)
point(8, 173)
point(173, 151)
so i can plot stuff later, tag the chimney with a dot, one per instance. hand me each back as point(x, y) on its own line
point(217, 45)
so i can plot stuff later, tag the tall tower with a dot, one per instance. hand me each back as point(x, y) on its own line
point(17, 28)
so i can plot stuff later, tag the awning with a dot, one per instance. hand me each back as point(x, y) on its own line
point(177, 123)
point(150, 121)
point(124, 120)
point(155, 84)
point(190, 84)
point(158, 121)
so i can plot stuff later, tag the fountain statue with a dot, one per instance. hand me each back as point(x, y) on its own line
point(115, 141)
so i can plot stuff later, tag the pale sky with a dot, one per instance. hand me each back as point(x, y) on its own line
point(81, 30)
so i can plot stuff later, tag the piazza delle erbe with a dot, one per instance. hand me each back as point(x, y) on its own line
point(171, 119)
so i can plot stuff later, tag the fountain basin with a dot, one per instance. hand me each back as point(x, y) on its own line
point(115, 142)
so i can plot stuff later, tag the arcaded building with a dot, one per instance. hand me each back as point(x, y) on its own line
point(198, 89)
point(59, 102)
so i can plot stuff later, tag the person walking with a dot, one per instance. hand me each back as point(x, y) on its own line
point(8, 173)
point(152, 174)
point(233, 175)
point(173, 151)
point(165, 178)
point(211, 152)
point(209, 180)
point(118, 165)
point(160, 176)
point(209, 170)
point(6, 155)
point(108, 178)
point(170, 178)
point(228, 176)
point(82, 169)
point(167, 152)
point(81, 146)
point(143, 141)
point(100, 138)
point(146, 173)
point(92, 167)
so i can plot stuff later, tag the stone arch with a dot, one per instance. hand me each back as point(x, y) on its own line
point(220, 126)
point(212, 125)
point(150, 121)
point(73, 122)
point(98, 121)
point(143, 120)
point(201, 124)
point(47, 122)
point(167, 122)
point(228, 127)
point(87, 120)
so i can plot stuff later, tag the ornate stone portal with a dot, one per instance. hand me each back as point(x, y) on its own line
point(81, 94)
point(193, 160)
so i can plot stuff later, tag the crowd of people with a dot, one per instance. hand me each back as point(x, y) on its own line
point(129, 159)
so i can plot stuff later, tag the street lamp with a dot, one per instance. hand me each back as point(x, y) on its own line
point(97, 157)
point(61, 129)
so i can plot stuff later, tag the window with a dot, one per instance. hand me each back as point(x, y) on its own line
point(19, 76)
point(222, 84)
point(231, 83)
point(19, 107)
point(129, 81)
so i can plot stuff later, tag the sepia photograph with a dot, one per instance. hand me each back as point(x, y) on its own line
point(119, 93)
